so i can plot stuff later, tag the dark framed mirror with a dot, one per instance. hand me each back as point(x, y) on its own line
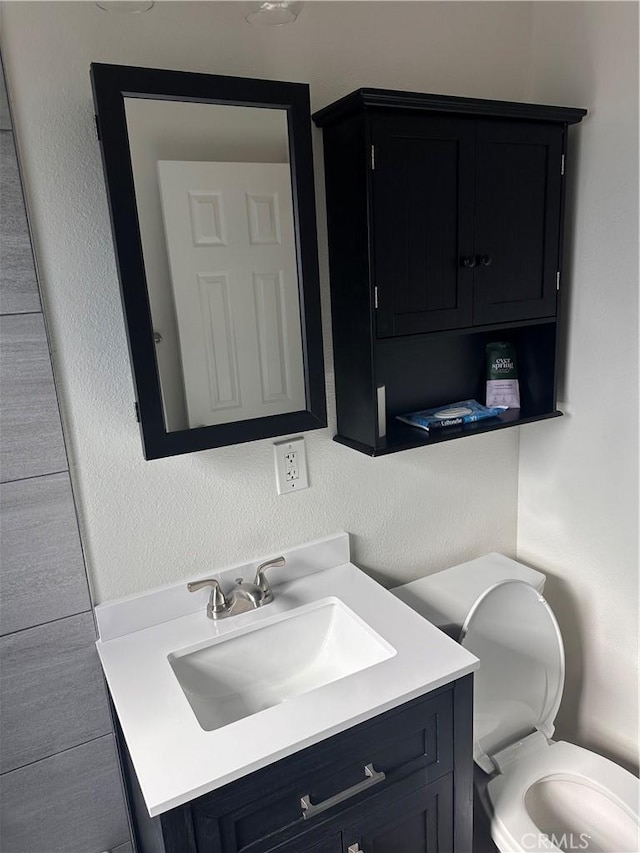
point(211, 196)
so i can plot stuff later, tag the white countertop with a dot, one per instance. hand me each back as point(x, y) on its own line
point(174, 758)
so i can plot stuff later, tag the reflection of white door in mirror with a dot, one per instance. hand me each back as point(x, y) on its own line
point(231, 246)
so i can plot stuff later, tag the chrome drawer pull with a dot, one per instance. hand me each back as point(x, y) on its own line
point(372, 777)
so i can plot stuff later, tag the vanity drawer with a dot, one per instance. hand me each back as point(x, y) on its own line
point(265, 809)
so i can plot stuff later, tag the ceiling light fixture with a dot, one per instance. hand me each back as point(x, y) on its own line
point(124, 6)
point(273, 13)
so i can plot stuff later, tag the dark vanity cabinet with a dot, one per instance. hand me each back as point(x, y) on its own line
point(445, 233)
point(399, 783)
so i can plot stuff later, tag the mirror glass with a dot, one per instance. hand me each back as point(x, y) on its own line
point(210, 187)
point(215, 211)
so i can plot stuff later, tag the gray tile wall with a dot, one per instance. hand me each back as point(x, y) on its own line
point(60, 785)
point(32, 442)
point(5, 118)
point(42, 565)
point(17, 274)
point(50, 674)
point(68, 803)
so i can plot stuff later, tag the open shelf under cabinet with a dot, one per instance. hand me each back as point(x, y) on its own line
point(404, 437)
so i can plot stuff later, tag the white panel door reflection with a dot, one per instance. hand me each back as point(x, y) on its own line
point(231, 244)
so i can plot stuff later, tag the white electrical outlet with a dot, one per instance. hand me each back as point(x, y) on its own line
point(291, 465)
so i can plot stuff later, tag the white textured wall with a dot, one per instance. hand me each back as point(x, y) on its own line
point(578, 485)
point(146, 523)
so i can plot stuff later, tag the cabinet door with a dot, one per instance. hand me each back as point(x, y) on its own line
point(517, 232)
point(419, 822)
point(422, 212)
point(263, 810)
point(321, 841)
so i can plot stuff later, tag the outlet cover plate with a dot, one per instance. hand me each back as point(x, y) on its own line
point(291, 465)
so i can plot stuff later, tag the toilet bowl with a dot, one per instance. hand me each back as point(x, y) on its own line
point(565, 798)
point(540, 795)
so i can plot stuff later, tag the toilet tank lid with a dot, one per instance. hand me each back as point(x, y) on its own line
point(446, 597)
point(518, 688)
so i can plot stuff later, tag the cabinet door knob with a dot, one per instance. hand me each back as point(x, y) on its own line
point(468, 262)
point(485, 260)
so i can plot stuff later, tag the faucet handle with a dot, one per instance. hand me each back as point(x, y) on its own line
point(261, 579)
point(217, 600)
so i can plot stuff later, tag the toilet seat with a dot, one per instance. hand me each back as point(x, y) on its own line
point(514, 827)
point(517, 691)
point(531, 786)
point(543, 790)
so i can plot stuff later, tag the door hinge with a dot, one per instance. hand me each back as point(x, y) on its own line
point(558, 280)
point(562, 165)
point(98, 134)
point(136, 409)
point(382, 412)
point(375, 297)
point(373, 158)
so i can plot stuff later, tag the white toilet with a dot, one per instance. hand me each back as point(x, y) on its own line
point(540, 795)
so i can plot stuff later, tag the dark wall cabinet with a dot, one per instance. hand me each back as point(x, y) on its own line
point(445, 233)
point(414, 796)
point(465, 214)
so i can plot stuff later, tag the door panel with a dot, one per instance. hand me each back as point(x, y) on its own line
point(420, 822)
point(423, 223)
point(317, 841)
point(412, 744)
point(231, 245)
point(517, 220)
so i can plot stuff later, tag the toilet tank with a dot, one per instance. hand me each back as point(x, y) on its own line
point(445, 598)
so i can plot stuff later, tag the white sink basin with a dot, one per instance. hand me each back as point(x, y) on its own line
point(264, 665)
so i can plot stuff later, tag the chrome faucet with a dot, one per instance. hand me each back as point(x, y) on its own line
point(261, 579)
point(243, 597)
point(218, 604)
